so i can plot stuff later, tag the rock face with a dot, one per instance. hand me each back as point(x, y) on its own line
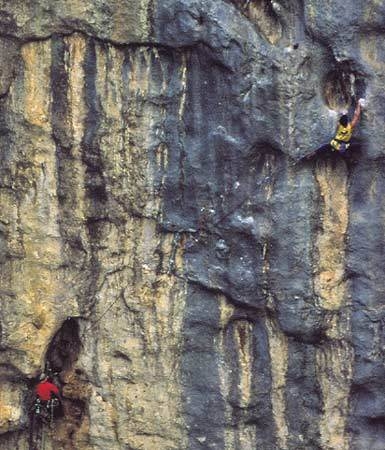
point(164, 249)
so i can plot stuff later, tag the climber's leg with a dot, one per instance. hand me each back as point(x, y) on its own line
point(324, 148)
point(353, 154)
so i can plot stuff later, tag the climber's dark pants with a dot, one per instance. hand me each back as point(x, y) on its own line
point(324, 148)
point(327, 148)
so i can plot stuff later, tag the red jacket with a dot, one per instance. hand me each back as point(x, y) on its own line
point(45, 389)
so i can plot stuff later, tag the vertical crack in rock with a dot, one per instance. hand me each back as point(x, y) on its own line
point(277, 341)
point(251, 381)
point(242, 337)
point(296, 398)
point(9, 56)
point(92, 156)
point(278, 347)
point(236, 351)
point(183, 84)
point(335, 357)
point(60, 121)
point(238, 343)
point(329, 280)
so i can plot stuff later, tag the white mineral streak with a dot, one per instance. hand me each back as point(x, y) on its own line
point(183, 86)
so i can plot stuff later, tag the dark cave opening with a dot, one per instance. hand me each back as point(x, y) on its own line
point(342, 87)
point(64, 348)
point(61, 364)
point(337, 90)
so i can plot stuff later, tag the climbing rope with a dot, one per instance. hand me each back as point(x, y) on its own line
point(42, 437)
point(98, 319)
point(42, 414)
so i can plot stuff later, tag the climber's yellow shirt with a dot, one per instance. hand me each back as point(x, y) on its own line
point(343, 134)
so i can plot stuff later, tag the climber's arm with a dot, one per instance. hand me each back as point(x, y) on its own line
point(357, 113)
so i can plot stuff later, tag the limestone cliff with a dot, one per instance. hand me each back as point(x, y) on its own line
point(165, 250)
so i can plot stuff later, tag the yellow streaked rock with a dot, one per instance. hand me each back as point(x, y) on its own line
point(37, 66)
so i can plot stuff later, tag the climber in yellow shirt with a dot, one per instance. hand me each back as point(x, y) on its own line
point(341, 141)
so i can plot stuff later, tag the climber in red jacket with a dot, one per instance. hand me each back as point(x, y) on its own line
point(46, 407)
point(46, 390)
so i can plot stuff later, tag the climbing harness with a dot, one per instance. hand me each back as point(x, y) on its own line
point(42, 414)
point(99, 318)
point(340, 146)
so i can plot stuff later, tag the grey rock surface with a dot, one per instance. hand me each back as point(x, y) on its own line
point(164, 248)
